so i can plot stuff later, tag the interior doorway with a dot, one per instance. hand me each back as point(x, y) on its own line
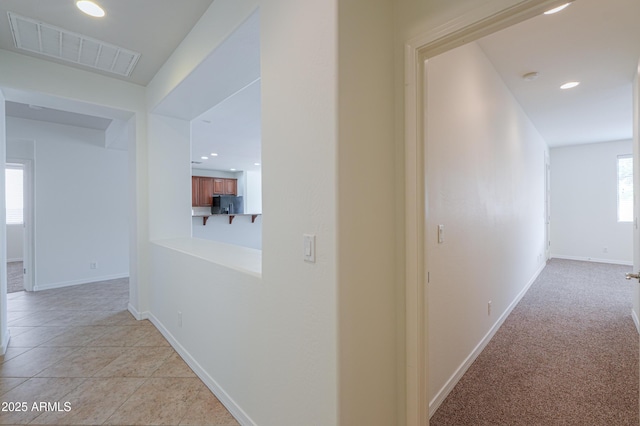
point(19, 226)
point(547, 206)
point(419, 277)
point(14, 180)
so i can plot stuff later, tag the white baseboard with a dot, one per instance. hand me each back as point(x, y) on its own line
point(457, 375)
point(5, 343)
point(634, 315)
point(137, 315)
point(209, 381)
point(61, 284)
point(593, 259)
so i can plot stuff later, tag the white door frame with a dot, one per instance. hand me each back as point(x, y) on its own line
point(28, 250)
point(480, 22)
point(547, 207)
point(28, 228)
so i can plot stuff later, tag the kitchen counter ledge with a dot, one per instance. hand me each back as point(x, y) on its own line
point(231, 216)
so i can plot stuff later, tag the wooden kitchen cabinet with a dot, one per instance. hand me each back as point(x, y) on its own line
point(205, 191)
point(218, 186)
point(230, 186)
point(203, 188)
point(195, 186)
point(225, 186)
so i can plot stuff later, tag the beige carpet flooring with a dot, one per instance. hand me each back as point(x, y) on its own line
point(567, 355)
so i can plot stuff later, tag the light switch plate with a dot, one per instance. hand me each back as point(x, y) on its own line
point(309, 248)
point(440, 234)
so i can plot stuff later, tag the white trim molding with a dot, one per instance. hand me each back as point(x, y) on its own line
point(237, 412)
point(78, 282)
point(593, 259)
point(634, 315)
point(5, 343)
point(137, 315)
point(455, 378)
point(481, 21)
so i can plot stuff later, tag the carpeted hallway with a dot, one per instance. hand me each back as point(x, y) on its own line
point(567, 354)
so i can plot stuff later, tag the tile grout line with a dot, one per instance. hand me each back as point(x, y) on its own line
point(107, 321)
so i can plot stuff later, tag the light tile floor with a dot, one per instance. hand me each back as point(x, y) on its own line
point(80, 350)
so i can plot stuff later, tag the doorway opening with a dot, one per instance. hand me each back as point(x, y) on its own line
point(419, 253)
point(14, 193)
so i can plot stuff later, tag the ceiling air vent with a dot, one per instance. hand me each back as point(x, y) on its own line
point(59, 43)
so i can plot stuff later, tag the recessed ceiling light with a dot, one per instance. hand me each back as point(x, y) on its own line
point(213, 154)
point(204, 158)
point(556, 9)
point(256, 164)
point(90, 8)
point(233, 170)
point(530, 76)
point(570, 85)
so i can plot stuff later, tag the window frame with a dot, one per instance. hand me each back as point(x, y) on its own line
point(14, 166)
point(621, 216)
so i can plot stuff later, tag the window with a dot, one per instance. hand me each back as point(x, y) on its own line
point(14, 194)
point(625, 188)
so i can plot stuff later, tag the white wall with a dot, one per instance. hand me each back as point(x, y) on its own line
point(485, 182)
point(290, 353)
point(285, 326)
point(241, 231)
point(417, 18)
point(169, 168)
point(253, 192)
point(216, 173)
point(81, 203)
point(367, 207)
point(30, 80)
point(222, 329)
point(4, 329)
point(584, 222)
point(636, 198)
point(15, 243)
point(282, 326)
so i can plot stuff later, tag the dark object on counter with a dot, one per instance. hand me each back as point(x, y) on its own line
point(227, 204)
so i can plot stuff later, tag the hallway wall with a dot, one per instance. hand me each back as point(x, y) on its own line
point(15, 244)
point(271, 336)
point(584, 221)
point(297, 315)
point(81, 201)
point(300, 328)
point(4, 329)
point(636, 184)
point(485, 186)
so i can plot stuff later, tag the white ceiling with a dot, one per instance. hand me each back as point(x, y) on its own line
point(230, 129)
point(33, 112)
point(592, 41)
point(153, 28)
point(229, 103)
point(224, 111)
